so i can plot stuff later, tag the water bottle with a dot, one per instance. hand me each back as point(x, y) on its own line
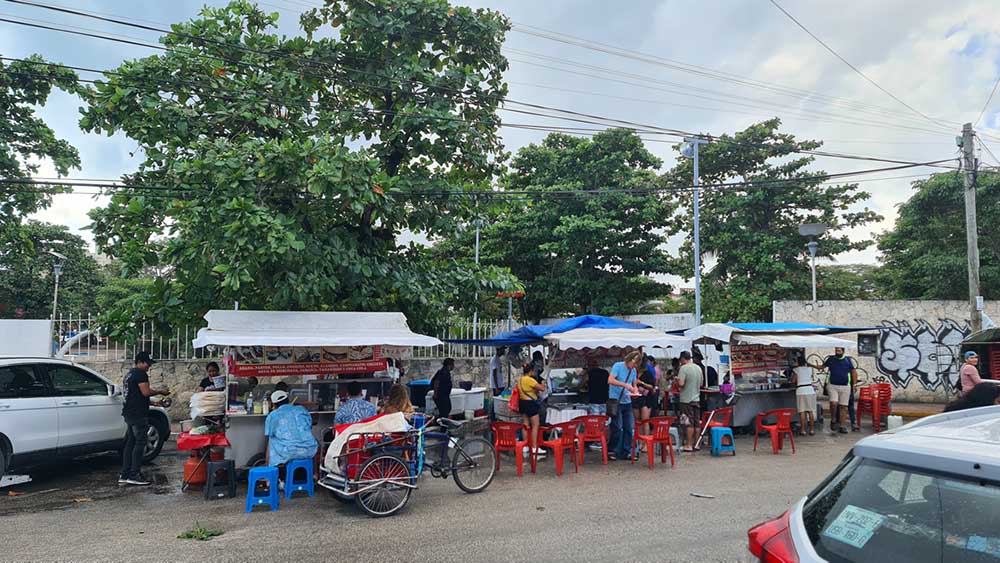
point(249, 402)
point(267, 406)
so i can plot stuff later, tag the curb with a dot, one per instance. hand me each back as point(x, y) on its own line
point(913, 414)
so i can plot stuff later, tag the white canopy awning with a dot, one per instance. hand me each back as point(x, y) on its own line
point(616, 337)
point(287, 328)
point(796, 340)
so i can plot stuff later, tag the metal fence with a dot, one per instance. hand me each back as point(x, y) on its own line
point(174, 343)
point(81, 336)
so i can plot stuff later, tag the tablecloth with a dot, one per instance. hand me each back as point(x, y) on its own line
point(555, 416)
point(187, 441)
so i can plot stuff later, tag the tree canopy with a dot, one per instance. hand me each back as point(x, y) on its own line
point(27, 281)
point(577, 251)
point(280, 172)
point(750, 230)
point(924, 255)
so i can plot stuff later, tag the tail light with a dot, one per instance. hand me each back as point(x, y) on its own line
point(771, 541)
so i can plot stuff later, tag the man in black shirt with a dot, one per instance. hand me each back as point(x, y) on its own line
point(135, 411)
point(597, 386)
point(441, 384)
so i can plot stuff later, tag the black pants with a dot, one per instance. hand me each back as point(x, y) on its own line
point(443, 406)
point(135, 445)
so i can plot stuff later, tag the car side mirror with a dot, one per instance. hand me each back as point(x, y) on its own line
point(114, 390)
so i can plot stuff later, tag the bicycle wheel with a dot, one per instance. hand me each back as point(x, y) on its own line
point(383, 481)
point(474, 464)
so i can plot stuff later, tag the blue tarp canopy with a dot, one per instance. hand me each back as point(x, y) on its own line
point(533, 334)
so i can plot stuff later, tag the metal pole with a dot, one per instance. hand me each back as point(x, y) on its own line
point(971, 229)
point(814, 277)
point(695, 143)
point(57, 269)
point(475, 313)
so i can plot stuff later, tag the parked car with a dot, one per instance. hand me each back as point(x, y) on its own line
point(928, 491)
point(53, 409)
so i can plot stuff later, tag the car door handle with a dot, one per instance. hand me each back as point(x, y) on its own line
point(4, 406)
point(67, 403)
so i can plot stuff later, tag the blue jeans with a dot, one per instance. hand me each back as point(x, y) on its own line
point(625, 426)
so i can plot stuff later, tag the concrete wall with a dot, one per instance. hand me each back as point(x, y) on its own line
point(182, 377)
point(917, 350)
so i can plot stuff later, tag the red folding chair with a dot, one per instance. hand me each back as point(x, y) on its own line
point(661, 435)
point(778, 430)
point(505, 440)
point(565, 442)
point(594, 431)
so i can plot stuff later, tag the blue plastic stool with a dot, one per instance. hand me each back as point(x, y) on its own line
point(720, 436)
point(269, 474)
point(292, 484)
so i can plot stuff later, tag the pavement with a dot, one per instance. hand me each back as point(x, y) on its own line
point(621, 511)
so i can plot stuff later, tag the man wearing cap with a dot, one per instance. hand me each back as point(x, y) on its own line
point(289, 432)
point(969, 374)
point(135, 411)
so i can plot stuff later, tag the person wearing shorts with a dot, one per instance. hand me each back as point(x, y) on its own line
point(842, 375)
point(805, 396)
point(528, 404)
point(689, 378)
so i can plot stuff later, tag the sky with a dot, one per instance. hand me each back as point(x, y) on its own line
point(940, 58)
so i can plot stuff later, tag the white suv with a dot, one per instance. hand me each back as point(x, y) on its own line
point(52, 409)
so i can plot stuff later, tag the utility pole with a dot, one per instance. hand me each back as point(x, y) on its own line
point(691, 150)
point(969, 165)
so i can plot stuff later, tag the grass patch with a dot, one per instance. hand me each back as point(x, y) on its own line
point(200, 533)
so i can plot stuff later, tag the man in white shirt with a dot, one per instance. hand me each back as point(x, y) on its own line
point(496, 371)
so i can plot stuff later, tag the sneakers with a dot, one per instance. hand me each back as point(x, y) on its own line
point(122, 480)
point(527, 452)
point(138, 480)
point(843, 430)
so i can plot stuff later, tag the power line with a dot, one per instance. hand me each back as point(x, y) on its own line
point(854, 68)
point(576, 117)
point(805, 95)
point(988, 100)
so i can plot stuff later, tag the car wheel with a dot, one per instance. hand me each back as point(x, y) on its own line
point(3, 460)
point(156, 436)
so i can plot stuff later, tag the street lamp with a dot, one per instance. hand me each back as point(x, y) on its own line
point(690, 150)
point(57, 271)
point(813, 230)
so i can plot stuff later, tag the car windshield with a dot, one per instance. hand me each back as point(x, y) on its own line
point(874, 511)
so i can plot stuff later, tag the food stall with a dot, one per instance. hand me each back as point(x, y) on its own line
point(760, 357)
point(317, 354)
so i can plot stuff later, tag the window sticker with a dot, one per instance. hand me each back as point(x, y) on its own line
point(989, 546)
point(854, 526)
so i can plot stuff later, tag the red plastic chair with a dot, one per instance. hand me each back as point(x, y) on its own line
point(505, 440)
point(564, 443)
point(594, 431)
point(778, 430)
point(885, 397)
point(866, 405)
point(661, 435)
point(723, 418)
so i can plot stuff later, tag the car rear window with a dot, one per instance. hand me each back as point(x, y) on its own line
point(874, 511)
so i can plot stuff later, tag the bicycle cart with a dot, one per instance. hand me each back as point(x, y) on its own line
point(379, 470)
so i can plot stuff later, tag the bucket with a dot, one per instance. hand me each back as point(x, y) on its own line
point(895, 421)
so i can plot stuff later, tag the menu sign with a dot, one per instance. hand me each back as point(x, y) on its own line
point(282, 361)
point(756, 357)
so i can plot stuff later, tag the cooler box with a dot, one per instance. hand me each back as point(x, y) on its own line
point(472, 400)
point(457, 402)
point(418, 390)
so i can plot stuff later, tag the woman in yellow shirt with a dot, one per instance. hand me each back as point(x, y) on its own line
point(529, 389)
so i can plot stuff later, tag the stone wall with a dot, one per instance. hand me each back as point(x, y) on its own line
point(182, 376)
point(918, 346)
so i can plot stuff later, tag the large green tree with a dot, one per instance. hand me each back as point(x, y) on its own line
point(575, 249)
point(26, 141)
point(750, 230)
point(924, 255)
point(27, 281)
point(281, 171)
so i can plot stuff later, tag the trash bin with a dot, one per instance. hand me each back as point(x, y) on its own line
point(418, 392)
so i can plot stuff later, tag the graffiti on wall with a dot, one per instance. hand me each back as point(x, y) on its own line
point(921, 351)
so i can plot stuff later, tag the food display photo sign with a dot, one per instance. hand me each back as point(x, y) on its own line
point(282, 361)
point(756, 357)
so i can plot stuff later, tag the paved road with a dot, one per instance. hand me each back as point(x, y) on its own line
point(619, 512)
